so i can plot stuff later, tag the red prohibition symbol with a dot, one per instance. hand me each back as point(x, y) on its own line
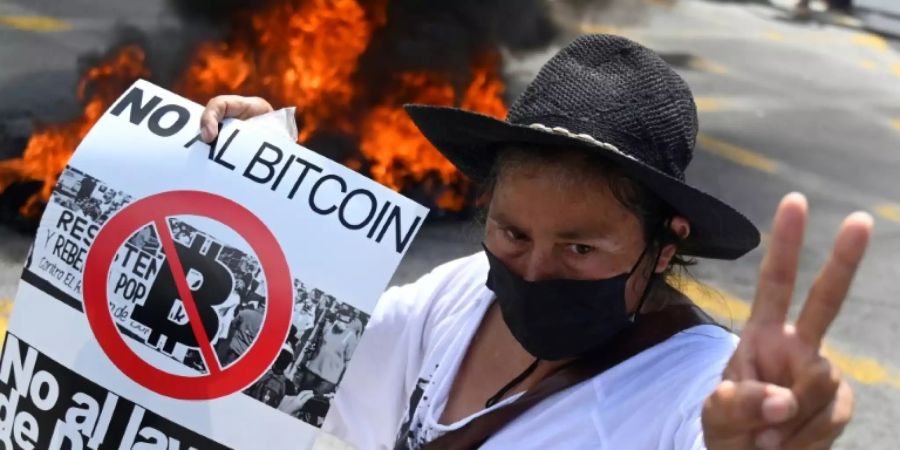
point(218, 381)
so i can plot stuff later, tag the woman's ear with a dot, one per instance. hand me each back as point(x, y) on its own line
point(680, 227)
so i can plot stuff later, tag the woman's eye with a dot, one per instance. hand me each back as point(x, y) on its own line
point(513, 235)
point(581, 249)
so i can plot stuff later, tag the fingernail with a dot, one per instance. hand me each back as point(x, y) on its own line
point(768, 439)
point(777, 409)
point(211, 132)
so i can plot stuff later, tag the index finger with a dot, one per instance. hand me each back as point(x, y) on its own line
point(828, 292)
point(222, 106)
point(778, 270)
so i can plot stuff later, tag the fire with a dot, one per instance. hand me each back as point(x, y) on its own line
point(49, 148)
point(400, 156)
point(296, 52)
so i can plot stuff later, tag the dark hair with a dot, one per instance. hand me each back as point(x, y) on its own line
point(652, 213)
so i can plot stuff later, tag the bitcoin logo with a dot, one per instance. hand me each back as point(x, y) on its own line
point(210, 283)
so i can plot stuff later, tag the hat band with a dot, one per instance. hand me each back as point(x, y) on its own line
point(584, 137)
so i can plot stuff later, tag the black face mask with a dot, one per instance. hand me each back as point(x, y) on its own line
point(558, 319)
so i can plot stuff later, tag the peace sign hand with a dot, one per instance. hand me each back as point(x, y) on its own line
point(778, 391)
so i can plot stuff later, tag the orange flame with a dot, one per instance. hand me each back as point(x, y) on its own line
point(49, 148)
point(303, 55)
point(296, 52)
point(399, 155)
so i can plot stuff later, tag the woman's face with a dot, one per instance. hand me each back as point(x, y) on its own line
point(547, 221)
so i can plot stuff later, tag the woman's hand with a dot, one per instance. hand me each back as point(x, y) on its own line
point(778, 391)
point(225, 106)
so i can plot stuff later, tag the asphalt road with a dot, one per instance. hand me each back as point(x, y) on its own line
point(785, 106)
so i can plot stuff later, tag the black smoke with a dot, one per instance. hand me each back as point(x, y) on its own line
point(442, 36)
point(448, 35)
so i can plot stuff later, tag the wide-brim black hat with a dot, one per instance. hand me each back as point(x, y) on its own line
point(611, 96)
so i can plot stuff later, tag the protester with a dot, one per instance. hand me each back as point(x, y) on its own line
point(276, 384)
point(802, 9)
point(242, 331)
point(325, 369)
point(565, 332)
point(304, 319)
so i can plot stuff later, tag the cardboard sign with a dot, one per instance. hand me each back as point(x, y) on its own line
point(181, 295)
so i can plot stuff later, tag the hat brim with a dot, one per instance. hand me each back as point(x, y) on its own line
point(471, 141)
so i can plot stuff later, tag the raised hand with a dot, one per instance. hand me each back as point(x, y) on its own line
point(778, 391)
point(223, 106)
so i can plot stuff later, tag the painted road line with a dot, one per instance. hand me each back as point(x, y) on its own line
point(884, 207)
point(6, 305)
point(710, 104)
point(872, 41)
point(714, 301)
point(868, 64)
point(665, 4)
point(889, 211)
point(734, 312)
point(704, 65)
point(776, 36)
point(737, 154)
point(35, 23)
point(896, 122)
point(591, 28)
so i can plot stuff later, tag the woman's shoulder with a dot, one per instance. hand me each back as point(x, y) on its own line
point(658, 392)
point(699, 348)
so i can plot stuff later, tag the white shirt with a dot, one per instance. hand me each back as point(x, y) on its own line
point(337, 348)
point(407, 360)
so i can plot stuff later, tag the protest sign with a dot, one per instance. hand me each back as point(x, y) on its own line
point(181, 295)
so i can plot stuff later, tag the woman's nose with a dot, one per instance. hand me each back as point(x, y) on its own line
point(540, 265)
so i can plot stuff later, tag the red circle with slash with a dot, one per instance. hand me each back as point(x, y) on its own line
point(218, 381)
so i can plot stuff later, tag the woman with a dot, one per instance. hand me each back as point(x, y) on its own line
point(588, 211)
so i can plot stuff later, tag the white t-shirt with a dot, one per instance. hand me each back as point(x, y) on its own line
point(400, 377)
point(337, 348)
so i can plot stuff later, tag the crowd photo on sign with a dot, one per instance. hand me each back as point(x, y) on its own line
point(83, 193)
point(228, 286)
point(323, 334)
point(303, 379)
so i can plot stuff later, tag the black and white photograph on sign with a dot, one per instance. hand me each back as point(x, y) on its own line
point(324, 334)
point(226, 284)
point(229, 289)
point(80, 192)
point(79, 206)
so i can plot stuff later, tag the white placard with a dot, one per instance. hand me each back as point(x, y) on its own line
point(182, 295)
